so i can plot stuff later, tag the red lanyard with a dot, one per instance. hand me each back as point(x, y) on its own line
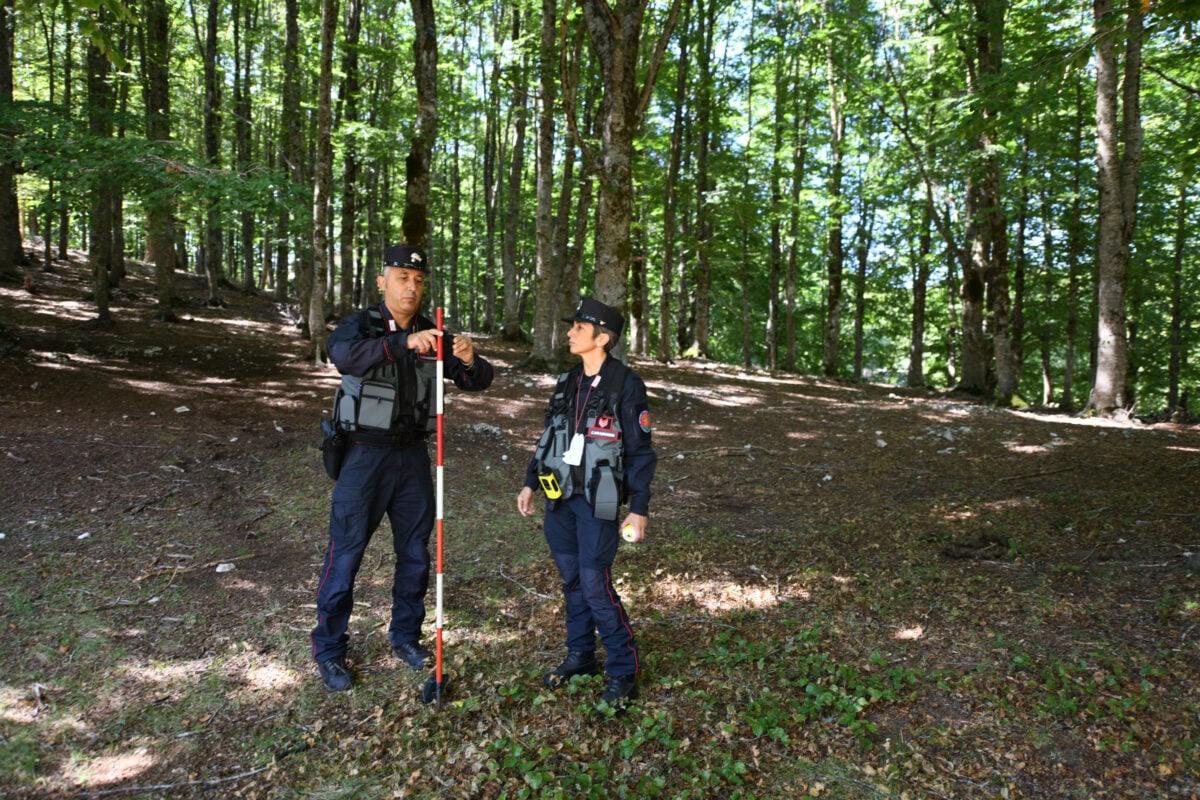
point(580, 411)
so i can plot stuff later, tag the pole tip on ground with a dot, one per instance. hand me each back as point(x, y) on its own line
point(434, 691)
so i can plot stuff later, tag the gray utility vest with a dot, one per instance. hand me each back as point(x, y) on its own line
point(601, 471)
point(392, 403)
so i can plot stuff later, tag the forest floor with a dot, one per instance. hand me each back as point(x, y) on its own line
point(847, 590)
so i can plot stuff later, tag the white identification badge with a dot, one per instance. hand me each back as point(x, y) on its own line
point(574, 454)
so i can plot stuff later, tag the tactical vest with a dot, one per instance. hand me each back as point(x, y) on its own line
point(393, 402)
point(601, 472)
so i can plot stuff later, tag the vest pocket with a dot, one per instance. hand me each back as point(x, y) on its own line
point(553, 474)
point(605, 494)
point(345, 410)
point(376, 406)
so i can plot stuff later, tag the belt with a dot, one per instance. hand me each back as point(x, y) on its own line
point(396, 440)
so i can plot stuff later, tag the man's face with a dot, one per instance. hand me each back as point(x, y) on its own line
point(402, 289)
point(583, 338)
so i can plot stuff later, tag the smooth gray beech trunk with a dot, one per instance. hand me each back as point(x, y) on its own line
point(1117, 124)
point(615, 32)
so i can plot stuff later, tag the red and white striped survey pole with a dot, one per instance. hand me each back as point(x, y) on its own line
point(441, 516)
point(434, 693)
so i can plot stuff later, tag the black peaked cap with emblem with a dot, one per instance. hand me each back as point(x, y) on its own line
point(406, 256)
point(607, 317)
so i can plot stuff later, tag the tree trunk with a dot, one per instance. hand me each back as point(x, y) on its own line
point(746, 217)
point(1131, 161)
point(670, 196)
point(351, 166)
point(1021, 266)
point(611, 37)
point(615, 35)
point(985, 279)
point(291, 155)
point(974, 367)
point(1178, 355)
point(160, 221)
point(1045, 329)
point(922, 270)
point(1074, 252)
point(213, 235)
point(1117, 175)
point(744, 279)
point(564, 297)
point(368, 289)
point(999, 298)
point(916, 349)
point(704, 187)
point(569, 258)
point(50, 33)
point(863, 238)
point(415, 227)
point(322, 251)
point(545, 307)
point(64, 227)
point(834, 253)
point(100, 217)
point(121, 113)
point(12, 255)
point(456, 218)
point(639, 291)
point(517, 78)
point(243, 25)
point(954, 338)
point(775, 255)
point(802, 116)
point(573, 271)
point(491, 191)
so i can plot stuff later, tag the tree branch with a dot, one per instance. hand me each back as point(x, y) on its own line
point(660, 50)
point(1177, 84)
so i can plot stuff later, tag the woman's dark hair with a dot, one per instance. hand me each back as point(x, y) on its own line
point(598, 329)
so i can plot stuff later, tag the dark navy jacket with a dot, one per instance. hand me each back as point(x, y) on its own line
point(355, 351)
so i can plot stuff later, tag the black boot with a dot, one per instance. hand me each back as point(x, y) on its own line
point(336, 676)
point(621, 689)
point(577, 662)
point(412, 653)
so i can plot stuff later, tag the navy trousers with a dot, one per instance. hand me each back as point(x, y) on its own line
point(375, 481)
point(584, 548)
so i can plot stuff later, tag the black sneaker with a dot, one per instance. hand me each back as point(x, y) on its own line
point(336, 676)
point(621, 689)
point(412, 653)
point(577, 662)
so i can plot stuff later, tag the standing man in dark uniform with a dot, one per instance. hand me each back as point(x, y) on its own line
point(387, 408)
point(594, 454)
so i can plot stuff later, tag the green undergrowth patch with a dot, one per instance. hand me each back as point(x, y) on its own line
point(739, 718)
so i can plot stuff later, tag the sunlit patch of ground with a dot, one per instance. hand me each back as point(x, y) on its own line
point(724, 596)
point(107, 770)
